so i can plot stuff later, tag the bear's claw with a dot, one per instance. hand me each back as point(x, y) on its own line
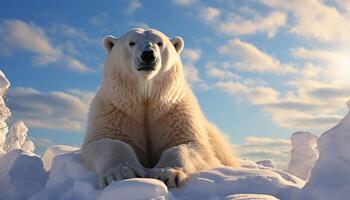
point(118, 173)
point(170, 176)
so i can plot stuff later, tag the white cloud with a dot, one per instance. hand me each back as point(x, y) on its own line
point(315, 19)
point(77, 65)
point(50, 110)
point(250, 58)
point(184, 2)
point(75, 33)
point(18, 35)
point(235, 23)
point(332, 65)
point(191, 73)
point(100, 19)
point(85, 95)
point(209, 14)
point(311, 105)
point(143, 25)
point(317, 55)
point(221, 74)
point(270, 24)
point(343, 6)
point(255, 94)
point(133, 5)
point(95, 21)
point(261, 148)
point(190, 56)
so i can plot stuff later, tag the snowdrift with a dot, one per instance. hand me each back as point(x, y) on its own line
point(21, 175)
point(69, 179)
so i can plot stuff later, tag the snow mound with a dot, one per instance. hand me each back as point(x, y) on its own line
point(330, 179)
point(304, 154)
point(53, 151)
point(69, 179)
point(21, 175)
point(146, 189)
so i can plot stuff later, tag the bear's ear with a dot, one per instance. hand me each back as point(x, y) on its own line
point(108, 42)
point(178, 43)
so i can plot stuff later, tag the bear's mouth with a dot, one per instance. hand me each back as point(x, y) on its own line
point(146, 68)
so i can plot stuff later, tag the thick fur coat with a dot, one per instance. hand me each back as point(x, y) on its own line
point(146, 122)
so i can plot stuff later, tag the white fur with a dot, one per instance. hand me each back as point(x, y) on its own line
point(149, 119)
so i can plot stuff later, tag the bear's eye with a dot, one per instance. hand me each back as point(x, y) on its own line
point(160, 44)
point(132, 43)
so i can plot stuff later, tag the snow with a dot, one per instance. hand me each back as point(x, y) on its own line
point(3, 132)
point(53, 151)
point(4, 111)
point(304, 154)
point(4, 82)
point(330, 179)
point(17, 136)
point(69, 179)
point(146, 189)
point(16, 139)
point(28, 146)
point(21, 175)
point(266, 163)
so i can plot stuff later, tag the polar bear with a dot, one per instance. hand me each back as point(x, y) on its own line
point(144, 120)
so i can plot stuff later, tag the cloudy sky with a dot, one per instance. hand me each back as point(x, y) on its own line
point(261, 69)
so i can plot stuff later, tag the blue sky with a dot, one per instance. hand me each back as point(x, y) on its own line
point(261, 69)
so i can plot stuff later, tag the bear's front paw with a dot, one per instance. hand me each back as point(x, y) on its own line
point(119, 173)
point(170, 176)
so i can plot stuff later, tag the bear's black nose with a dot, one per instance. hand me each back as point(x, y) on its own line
point(148, 57)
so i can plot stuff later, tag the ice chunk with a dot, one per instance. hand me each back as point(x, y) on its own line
point(3, 132)
point(21, 175)
point(28, 146)
point(17, 136)
point(330, 178)
point(4, 83)
point(304, 154)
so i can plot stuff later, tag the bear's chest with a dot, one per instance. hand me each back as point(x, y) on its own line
point(149, 133)
point(151, 128)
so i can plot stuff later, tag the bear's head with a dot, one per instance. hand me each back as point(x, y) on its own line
point(142, 53)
